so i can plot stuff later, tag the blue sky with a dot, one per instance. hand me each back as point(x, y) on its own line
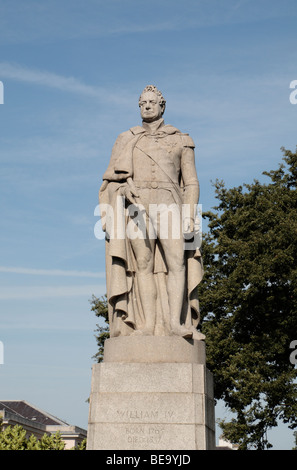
point(72, 72)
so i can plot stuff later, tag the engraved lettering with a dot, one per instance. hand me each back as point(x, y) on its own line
point(139, 414)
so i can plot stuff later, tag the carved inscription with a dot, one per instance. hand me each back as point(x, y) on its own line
point(145, 428)
point(149, 434)
point(164, 415)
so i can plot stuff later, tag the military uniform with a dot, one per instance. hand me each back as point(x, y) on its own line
point(157, 160)
point(160, 161)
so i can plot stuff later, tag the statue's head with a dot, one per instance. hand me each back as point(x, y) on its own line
point(151, 103)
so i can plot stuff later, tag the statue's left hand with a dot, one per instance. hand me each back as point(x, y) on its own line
point(132, 187)
point(188, 225)
point(131, 192)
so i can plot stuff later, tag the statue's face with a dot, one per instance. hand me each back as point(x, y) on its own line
point(150, 108)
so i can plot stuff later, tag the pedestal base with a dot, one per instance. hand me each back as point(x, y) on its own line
point(155, 404)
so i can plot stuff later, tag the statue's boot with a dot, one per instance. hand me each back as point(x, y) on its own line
point(148, 294)
point(181, 330)
point(176, 296)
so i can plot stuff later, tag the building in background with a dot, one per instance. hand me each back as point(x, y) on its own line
point(226, 445)
point(38, 422)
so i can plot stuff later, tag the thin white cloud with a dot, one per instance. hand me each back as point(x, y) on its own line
point(45, 78)
point(40, 292)
point(52, 80)
point(69, 326)
point(143, 28)
point(50, 272)
point(33, 21)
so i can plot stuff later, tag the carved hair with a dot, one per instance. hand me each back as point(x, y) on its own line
point(157, 92)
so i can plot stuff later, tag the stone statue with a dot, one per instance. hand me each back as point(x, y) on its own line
point(148, 203)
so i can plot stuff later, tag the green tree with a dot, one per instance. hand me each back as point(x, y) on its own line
point(50, 442)
point(32, 443)
point(47, 442)
point(295, 437)
point(81, 446)
point(13, 438)
point(248, 301)
point(99, 306)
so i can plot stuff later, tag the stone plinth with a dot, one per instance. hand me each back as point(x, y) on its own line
point(151, 393)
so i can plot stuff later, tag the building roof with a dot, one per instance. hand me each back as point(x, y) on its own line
point(25, 410)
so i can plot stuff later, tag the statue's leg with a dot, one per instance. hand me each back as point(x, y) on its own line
point(169, 232)
point(144, 254)
point(174, 254)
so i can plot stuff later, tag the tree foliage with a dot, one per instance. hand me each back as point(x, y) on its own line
point(248, 301)
point(82, 445)
point(99, 306)
point(15, 438)
point(295, 438)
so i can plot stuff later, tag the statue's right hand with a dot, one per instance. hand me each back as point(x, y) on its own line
point(104, 185)
point(132, 187)
point(129, 194)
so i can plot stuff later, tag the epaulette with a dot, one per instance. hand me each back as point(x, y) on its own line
point(187, 141)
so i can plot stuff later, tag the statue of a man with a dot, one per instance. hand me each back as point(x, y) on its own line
point(151, 278)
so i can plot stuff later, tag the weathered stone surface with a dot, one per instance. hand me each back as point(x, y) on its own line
point(150, 437)
point(152, 405)
point(145, 377)
point(152, 390)
point(153, 349)
point(148, 202)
